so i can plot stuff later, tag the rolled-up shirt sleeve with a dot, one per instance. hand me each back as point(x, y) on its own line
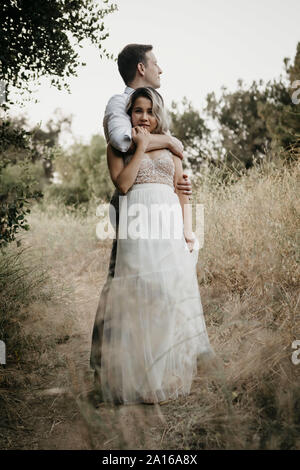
point(118, 123)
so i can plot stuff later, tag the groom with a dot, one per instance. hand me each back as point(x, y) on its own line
point(138, 67)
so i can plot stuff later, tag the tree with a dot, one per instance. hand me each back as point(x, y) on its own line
point(282, 111)
point(83, 172)
point(244, 134)
point(189, 127)
point(294, 69)
point(258, 119)
point(43, 143)
point(37, 38)
point(17, 183)
point(40, 37)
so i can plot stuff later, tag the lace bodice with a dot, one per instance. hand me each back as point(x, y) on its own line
point(155, 170)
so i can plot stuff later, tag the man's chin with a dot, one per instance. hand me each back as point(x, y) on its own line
point(157, 85)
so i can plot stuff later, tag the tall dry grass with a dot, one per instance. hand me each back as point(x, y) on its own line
point(49, 291)
point(248, 273)
point(249, 278)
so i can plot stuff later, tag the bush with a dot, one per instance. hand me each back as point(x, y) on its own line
point(68, 194)
point(84, 174)
point(18, 181)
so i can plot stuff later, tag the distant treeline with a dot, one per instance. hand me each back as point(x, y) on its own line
point(250, 123)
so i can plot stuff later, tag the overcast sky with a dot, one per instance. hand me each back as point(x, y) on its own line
point(200, 46)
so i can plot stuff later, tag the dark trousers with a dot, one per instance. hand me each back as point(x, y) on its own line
point(96, 346)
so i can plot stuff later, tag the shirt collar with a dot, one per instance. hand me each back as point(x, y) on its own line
point(129, 90)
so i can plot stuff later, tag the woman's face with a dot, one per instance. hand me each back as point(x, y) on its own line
point(142, 114)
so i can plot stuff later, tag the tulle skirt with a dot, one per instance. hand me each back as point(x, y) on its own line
point(154, 329)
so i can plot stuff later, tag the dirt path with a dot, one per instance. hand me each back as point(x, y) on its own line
point(61, 416)
point(69, 420)
point(51, 406)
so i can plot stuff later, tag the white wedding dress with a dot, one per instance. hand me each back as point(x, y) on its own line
point(154, 328)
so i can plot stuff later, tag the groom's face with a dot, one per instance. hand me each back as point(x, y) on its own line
point(152, 71)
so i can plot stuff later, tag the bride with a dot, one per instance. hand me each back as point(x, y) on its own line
point(153, 323)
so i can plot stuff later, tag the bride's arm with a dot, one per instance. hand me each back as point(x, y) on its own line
point(123, 176)
point(184, 201)
point(118, 125)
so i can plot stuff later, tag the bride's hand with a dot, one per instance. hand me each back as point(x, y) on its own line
point(140, 136)
point(190, 242)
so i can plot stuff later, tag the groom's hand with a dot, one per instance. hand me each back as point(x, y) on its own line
point(176, 147)
point(184, 185)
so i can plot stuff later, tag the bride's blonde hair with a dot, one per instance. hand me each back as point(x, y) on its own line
point(158, 107)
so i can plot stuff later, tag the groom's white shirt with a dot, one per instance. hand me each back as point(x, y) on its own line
point(116, 122)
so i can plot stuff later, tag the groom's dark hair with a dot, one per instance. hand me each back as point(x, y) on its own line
point(129, 57)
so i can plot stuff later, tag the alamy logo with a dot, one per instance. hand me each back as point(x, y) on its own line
point(296, 354)
point(2, 92)
point(295, 94)
point(142, 222)
point(2, 352)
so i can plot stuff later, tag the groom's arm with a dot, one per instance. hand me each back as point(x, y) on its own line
point(162, 141)
point(118, 125)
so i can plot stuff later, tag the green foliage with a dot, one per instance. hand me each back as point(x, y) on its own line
point(39, 38)
point(282, 112)
point(45, 145)
point(69, 194)
point(84, 174)
point(189, 127)
point(17, 187)
point(12, 137)
point(252, 122)
point(244, 134)
point(20, 181)
point(42, 145)
point(294, 69)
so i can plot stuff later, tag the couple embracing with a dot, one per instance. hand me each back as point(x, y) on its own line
point(149, 327)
